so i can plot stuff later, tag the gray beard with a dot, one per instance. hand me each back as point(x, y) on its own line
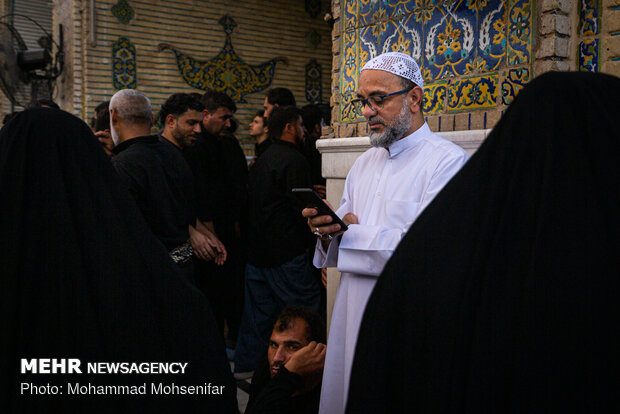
point(394, 132)
point(115, 136)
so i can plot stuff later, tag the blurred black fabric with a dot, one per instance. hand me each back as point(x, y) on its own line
point(83, 277)
point(503, 296)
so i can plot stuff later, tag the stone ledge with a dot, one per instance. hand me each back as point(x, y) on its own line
point(339, 154)
point(564, 6)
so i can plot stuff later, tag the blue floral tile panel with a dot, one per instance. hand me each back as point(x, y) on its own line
point(478, 92)
point(514, 81)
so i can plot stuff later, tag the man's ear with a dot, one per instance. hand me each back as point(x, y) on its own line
point(170, 120)
point(289, 129)
point(416, 98)
point(113, 116)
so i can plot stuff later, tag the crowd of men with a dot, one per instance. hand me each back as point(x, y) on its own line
point(235, 230)
point(238, 234)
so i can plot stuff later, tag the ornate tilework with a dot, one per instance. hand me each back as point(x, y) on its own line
point(313, 7)
point(434, 97)
point(472, 93)
point(226, 72)
point(123, 11)
point(313, 38)
point(519, 31)
point(397, 8)
point(491, 32)
point(588, 55)
point(350, 19)
point(124, 66)
point(369, 12)
point(314, 91)
point(450, 39)
point(348, 79)
point(514, 81)
point(589, 20)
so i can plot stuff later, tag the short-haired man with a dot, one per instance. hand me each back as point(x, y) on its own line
point(157, 177)
point(288, 381)
point(260, 132)
point(385, 190)
point(277, 97)
point(220, 169)
point(278, 272)
point(181, 116)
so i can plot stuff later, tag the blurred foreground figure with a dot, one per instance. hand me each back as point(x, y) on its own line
point(83, 277)
point(510, 302)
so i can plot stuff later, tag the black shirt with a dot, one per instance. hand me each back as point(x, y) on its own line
point(220, 170)
point(159, 179)
point(259, 149)
point(277, 232)
point(314, 159)
point(274, 395)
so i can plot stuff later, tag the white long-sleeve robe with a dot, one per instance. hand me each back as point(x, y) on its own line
point(386, 191)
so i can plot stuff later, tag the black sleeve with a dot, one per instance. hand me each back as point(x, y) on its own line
point(297, 175)
point(276, 396)
point(196, 160)
point(238, 178)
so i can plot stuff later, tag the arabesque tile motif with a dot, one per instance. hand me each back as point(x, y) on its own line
point(462, 47)
point(589, 26)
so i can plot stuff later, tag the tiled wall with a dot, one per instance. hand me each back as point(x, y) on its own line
point(589, 29)
point(473, 54)
point(598, 36)
point(128, 34)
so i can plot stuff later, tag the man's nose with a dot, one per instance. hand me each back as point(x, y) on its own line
point(196, 128)
point(368, 111)
point(227, 123)
point(280, 355)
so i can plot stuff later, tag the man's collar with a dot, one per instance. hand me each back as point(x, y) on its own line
point(165, 140)
point(409, 141)
point(127, 143)
point(286, 143)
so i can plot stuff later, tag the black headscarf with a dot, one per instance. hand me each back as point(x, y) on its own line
point(83, 277)
point(503, 297)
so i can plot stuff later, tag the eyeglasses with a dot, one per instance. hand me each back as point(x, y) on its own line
point(374, 102)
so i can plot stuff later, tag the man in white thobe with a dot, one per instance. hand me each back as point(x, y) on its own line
point(385, 191)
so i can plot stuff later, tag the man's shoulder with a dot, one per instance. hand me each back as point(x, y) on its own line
point(135, 152)
point(283, 152)
point(141, 154)
point(443, 145)
point(371, 155)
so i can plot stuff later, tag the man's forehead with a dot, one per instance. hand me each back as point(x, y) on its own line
point(223, 111)
point(296, 332)
point(375, 81)
point(191, 113)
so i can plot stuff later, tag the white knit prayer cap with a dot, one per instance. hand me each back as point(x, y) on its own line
point(397, 63)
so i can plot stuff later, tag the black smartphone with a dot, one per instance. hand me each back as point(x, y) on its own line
point(311, 199)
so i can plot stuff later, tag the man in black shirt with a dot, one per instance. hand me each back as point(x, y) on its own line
point(289, 380)
point(158, 179)
point(219, 166)
point(259, 131)
point(181, 115)
point(278, 272)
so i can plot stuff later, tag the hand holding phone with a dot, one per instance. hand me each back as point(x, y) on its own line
point(311, 199)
